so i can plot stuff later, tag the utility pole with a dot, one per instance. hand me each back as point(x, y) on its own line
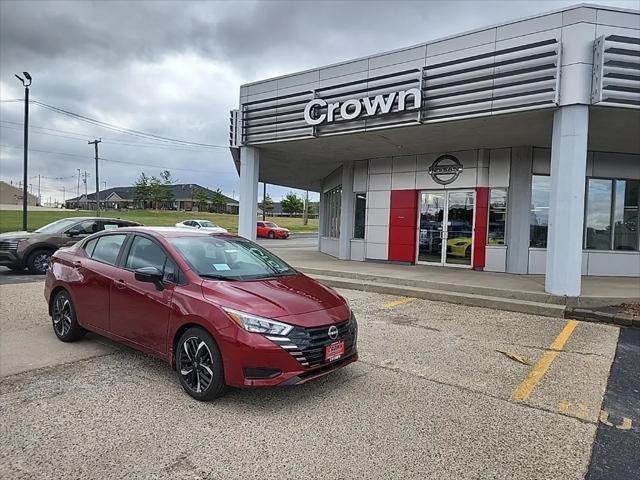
point(63, 194)
point(26, 85)
point(264, 196)
point(78, 192)
point(39, 198)
point(84, 180)
point(305, 214)
point(95, 144)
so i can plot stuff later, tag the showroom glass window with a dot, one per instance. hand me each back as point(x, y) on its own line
point(539, 216)
point(497, 216)
point(359, 215)
point(611, 217)
point(331, 223)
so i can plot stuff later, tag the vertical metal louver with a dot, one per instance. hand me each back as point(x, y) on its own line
point(616, 71)
point(511, 79)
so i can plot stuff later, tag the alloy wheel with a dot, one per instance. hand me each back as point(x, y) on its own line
point(41, 262)
point(196, 364)
point(62, 315)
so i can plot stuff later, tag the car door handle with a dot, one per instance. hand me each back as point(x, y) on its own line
point(77, 263)
point(119, 283)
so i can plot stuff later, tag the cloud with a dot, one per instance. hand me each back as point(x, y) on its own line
point(174, 69)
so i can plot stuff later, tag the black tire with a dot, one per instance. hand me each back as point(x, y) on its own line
point(467, 252)
point(63, 317)
point(38, 261)
point(199, 365)
point(271, 235)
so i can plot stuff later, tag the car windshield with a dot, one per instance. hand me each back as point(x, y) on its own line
point(58, 226)
point(207, 223)
point(272, 225)
point(230, 258)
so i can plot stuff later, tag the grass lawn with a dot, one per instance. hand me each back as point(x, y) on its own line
point(11, 220)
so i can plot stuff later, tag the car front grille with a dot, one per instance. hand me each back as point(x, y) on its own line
point(8, 245)
point(307, 345)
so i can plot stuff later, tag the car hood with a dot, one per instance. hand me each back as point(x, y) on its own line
point(10, 235)
point(214, 229)
point(289, 296)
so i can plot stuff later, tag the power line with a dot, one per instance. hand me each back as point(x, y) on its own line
point(87, 157)
point(128, 131)
point(82, 136)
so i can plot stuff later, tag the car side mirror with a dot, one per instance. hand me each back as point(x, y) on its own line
point(150, 275)
point(73, 232)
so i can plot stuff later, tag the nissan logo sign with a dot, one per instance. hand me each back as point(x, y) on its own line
point(445, 169)
point(333, 332)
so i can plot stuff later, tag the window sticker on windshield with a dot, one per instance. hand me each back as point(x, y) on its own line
point(221, 266)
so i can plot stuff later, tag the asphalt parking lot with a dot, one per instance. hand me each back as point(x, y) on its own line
point(433, 396)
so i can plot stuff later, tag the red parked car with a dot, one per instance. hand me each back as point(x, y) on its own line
point(271, 230)
point(219, 308)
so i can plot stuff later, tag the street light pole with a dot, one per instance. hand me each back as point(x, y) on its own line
point(26, 83)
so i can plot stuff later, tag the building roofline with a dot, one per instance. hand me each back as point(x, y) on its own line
point(448, 37)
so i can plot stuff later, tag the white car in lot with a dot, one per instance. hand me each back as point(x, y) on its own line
point(202, 225)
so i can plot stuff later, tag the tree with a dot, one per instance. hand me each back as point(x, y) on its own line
point(142, 190)
point(218, 199)
point(267, 204)
point(311, 209)
point(292, 204)
point(200, 197)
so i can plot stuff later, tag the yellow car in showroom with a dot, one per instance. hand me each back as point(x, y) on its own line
point(459, 247)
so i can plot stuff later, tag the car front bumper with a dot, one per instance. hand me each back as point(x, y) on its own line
point(252, 354)
point(9, 258)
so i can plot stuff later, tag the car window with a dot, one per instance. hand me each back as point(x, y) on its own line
point(145, 253)
point(230, 258)
point(260, 224)
point(87, 227)
point(107, 248)
point(189, 223)
point(89, 246)
point(206, 223)
point(271, 225)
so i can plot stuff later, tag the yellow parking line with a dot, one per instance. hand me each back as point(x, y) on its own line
point(539, 370)
point(401, 301)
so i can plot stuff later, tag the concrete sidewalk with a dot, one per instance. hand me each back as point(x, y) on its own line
point(522, 293)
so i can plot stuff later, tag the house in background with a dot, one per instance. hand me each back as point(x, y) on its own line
point(124, 198)
point(12, 195)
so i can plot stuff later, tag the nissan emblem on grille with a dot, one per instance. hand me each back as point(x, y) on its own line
point(333, 332)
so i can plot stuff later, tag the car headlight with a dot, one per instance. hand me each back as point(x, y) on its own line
point(255, 324)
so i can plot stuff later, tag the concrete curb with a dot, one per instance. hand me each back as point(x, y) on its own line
point(588, 315)
point(475, 300)
point(527, 296)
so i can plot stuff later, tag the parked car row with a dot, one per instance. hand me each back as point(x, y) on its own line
point(32, 250)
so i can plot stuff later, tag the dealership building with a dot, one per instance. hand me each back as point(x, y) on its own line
point(511, 148)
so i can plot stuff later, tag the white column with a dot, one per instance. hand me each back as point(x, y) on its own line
point(249, 169)
point(346, 212)
point(566, 206)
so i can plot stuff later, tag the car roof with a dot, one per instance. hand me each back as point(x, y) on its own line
point(196, 220)
point(171, 232)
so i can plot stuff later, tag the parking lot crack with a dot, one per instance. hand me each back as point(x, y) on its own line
point(396, 369)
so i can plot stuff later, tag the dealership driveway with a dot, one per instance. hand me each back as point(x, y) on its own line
point(431, 397)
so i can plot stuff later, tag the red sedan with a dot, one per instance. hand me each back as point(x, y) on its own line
point(271, 230)
point(219, 308)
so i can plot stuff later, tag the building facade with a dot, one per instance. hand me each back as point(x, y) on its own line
point(514, 148)
point(184, 197)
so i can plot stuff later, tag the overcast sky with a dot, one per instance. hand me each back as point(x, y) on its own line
point(174, 69)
